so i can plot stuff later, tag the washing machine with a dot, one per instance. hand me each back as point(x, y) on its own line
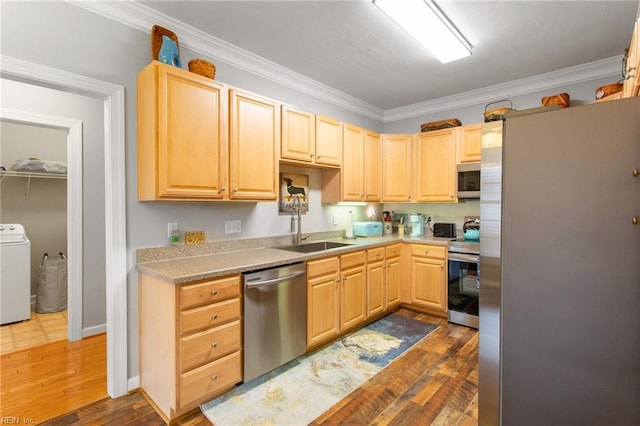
point(15, 274)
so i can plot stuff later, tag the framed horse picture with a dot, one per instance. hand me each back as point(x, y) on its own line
point(294, 189)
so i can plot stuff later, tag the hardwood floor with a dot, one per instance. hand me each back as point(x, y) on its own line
point(41, 383)
point(435, 382)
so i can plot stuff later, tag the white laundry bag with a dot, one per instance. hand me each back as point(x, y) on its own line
point(52, 288)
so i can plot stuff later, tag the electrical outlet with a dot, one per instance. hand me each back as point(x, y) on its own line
point(232, 226)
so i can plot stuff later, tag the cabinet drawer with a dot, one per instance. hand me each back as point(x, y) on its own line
point(209, 316)
point(393, 250)
point(353, 259)
point(438, 252)
point(200, 348)
point(199, 385)
point(320, 267)
point(209, 292)
point(375, 255)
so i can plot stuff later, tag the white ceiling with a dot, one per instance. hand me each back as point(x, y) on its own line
point(352, 47)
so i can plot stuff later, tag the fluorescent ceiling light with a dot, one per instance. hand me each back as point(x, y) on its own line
point(426, 23)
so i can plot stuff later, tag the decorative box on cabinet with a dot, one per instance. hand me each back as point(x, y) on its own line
point(190, 342)
point(182, 135)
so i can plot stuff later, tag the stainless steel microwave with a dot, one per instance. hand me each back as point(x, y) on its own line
point(469, 180)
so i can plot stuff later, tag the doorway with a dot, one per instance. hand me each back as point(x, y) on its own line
point(112, 97)
point(49, 205)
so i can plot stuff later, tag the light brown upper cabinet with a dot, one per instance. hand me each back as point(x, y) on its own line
point(328, 141)
point(469, 143)
point(298, 135)
point(352, 163)
point(254, 146)
point(372, 165)
point(182, 135)
point(396, 167)
point(310, 140)
point(435, 166)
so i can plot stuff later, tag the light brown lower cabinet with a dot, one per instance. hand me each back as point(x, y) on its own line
point(429, 277)
point(190, 341)
point(344, 292)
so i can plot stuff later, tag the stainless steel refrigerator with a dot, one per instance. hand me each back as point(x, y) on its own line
point(560, 267)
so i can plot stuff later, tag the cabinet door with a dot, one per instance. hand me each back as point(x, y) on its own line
point(352, 163)
point(393, 282)
point(298, 135)
point(428, 282)
point(182, 135)
point(396, 167)
point(435, 168)
point(375, 288)
point(353, 297)
point(328, 141)
point(322, 308)
point(469, 143)
point(372, 166)
point(254, 142)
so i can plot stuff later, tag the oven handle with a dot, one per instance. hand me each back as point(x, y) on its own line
point(462, 257)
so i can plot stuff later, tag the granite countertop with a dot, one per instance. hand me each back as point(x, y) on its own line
point(192, 268)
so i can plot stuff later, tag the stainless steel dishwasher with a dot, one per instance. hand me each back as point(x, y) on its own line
point(275, 317)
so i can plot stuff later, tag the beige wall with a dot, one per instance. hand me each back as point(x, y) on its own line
point(43, 210)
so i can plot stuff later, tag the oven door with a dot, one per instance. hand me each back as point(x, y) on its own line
point(463, 289)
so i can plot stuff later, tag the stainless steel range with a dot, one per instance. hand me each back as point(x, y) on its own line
point(464, 282)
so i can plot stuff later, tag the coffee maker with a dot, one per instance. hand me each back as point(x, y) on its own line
point(417, 224)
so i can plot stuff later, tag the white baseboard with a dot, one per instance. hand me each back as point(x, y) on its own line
point(96, 329)
point(133, 383)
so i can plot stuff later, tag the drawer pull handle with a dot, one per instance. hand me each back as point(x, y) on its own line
point(214, 316)
point(426, 252)
point(214, 345)
point(214, 378)
point(214, 292)
point(636, 172)
point(635, 220)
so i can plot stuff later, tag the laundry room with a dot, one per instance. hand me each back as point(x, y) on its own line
point(33, 194)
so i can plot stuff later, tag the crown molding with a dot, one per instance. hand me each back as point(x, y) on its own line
point(572, 75)
point(141, 17)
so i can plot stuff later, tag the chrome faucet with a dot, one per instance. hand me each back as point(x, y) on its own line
point(298, 206)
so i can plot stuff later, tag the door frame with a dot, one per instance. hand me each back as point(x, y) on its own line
point(115, 212)
point(74, 207)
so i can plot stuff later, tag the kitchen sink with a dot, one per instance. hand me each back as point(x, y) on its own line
point(313, 247)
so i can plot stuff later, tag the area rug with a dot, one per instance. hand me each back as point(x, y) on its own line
point(301, 390)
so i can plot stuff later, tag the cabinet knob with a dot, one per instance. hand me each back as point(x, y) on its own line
point(311, 155)
point(635, 220)
point(377, 254)
point(214, 292)
point(235, 189)
point(214, 316)
point(442, 266)
point(344, 279)
point(214, 345)
point(636, 172)
point(426, 252)
point(214, 378)
point(224, 188)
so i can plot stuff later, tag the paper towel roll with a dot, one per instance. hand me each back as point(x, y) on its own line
point(349, 231)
